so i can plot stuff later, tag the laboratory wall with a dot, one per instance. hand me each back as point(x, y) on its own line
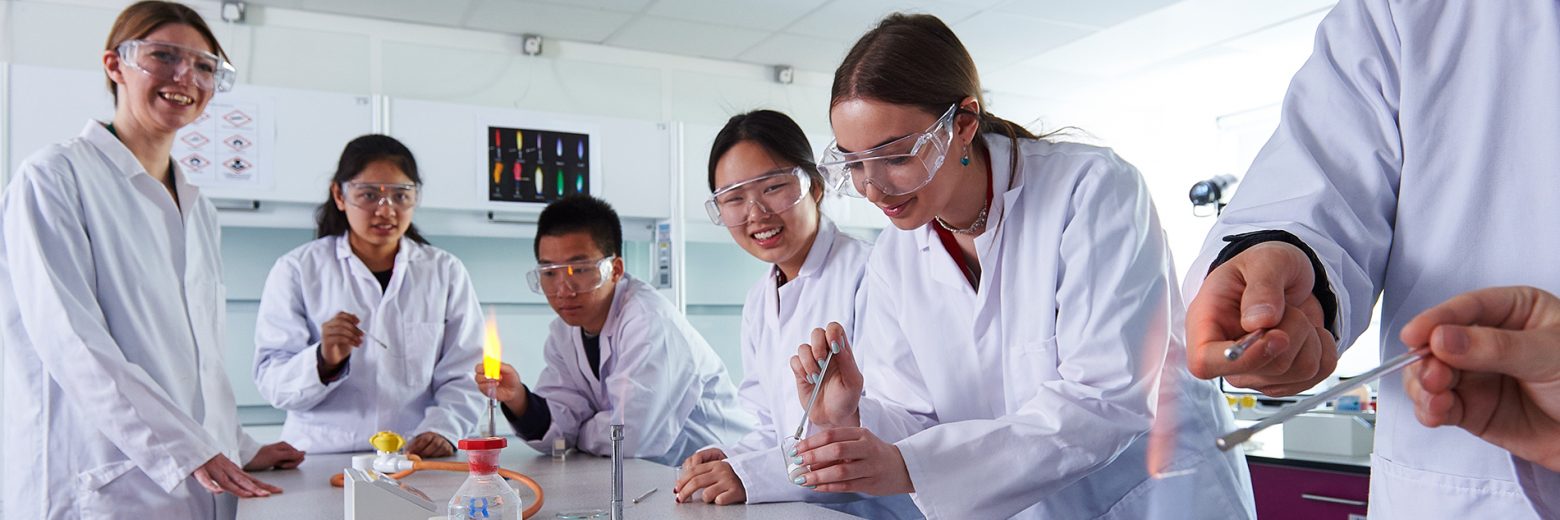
point(329, 53)
point(1177, 129)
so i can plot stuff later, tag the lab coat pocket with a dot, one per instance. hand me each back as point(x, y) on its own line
point(101, 494)
point(122, 490)
point(1033, 364)
point(419, 350)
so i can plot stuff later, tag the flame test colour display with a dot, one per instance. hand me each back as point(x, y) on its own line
point(527, 165)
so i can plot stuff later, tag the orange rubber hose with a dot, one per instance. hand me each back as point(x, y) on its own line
point(418, 464)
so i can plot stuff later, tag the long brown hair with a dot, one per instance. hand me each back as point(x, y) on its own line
point(916, 60)
point(141, 18)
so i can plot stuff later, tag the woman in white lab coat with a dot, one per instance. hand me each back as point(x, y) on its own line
point(766, 191)
point(369, 328)
point(1415, 160)
point(1021, 331)
point(112, 302)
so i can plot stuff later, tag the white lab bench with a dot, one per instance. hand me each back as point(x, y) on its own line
point(579, 482)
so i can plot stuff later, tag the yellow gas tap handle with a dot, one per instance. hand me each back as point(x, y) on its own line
point(387, 442)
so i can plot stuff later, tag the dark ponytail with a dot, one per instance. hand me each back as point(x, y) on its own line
point(777, 133)
point(916, 60)
point(359, 153)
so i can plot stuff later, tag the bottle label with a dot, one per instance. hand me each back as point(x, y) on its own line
point(477, 508)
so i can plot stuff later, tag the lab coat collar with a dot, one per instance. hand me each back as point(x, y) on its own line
point(1002, 175)
point(113, 149)
point(1004, 181)
point(408, 251)
point(620, 295)
point(608, 332)
point(817, 254)
point(127, 165)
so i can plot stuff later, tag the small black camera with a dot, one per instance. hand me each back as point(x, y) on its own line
point(1212, 193)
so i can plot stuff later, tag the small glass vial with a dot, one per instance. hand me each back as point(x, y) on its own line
point(560, 448)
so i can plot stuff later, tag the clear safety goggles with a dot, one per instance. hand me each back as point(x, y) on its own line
point(894, 168)
point(370, 196)
point(575, 277)
point(771, 193)
point(166, 61)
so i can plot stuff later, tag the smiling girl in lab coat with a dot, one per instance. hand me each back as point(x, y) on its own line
point(112, 306)
point(766, 191)
point(369, 328)
point(1022, 328)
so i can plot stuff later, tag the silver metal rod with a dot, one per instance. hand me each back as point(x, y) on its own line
point(1234, 352)
point(492, 430)
point(816, 387)
point(375, 339)
point(617, 471)
point(1235, 438)
point(644, 495)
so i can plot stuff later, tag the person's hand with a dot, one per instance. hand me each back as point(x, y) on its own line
point(337, 339)
point(708, 470)
point(853, 460)
point(220, 475)
point(1494, 370)
point(430, 445)
point(278, 455)
point(1265, 287)
point(841, 395)
point(510, 391)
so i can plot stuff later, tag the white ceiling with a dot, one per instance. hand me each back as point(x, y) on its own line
point(1017, 44)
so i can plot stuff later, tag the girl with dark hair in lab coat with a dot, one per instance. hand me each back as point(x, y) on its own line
point(369, 328)
point(766, 190)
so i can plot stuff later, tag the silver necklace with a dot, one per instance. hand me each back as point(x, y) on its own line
point(975, 227)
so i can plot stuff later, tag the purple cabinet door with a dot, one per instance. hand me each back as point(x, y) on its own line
point(1285, 493)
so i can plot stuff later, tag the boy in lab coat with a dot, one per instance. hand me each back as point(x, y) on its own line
point(619, 352)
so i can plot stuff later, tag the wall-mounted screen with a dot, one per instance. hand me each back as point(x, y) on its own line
point(526, 165)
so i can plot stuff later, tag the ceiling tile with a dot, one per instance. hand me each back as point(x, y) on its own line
point(625, 6)
point(752, 14)
point(549, 20)
point(802, 52)
point(444, 12)
point(1285, 37)
point(283, 4)
point(1098, 14)
point(1173, 31)
point(847, 20)
point(1001, 39)
point(685, 38)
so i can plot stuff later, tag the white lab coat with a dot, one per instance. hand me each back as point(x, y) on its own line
point(775, 322)
point(113, 309)
point(1541, 485)
point(1416, 155)
point(1033, 396)
point(658, 378)
point(429, 317)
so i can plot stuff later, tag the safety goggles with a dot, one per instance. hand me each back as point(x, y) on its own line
point(771, 193)
point(894, 168)
point(370, 196)
point(166, 61)
point(575, 277)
